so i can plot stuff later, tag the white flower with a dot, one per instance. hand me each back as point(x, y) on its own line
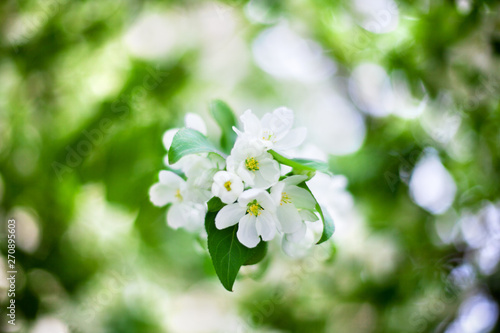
point(297, 244)
point(274, 131)
point(227, 186)
point(182, 213)
point(200, 171)
point(255, 214)
point(253, 164)
point(295, 204)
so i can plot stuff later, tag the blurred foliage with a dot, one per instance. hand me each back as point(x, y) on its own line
point(81, 121)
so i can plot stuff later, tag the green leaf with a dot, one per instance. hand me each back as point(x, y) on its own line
point(215, 204)
point(227, 253)
point(188, 141)
point(226, 119)
point(328, 225)
point(301, 164)
point(326, 219)
point(260, 252)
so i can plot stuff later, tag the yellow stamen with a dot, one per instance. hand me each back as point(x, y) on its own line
point(254, 209)
point(252, 164)
point(285, 199)
point(270, 135)
point(178, 195)
point(227, 185)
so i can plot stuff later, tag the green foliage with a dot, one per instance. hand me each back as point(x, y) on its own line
point(65, 75)
point(188, 141)
point(227, 253)
point(300, 164)
point(226, 119)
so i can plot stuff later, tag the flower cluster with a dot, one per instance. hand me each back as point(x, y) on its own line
point(255, 194)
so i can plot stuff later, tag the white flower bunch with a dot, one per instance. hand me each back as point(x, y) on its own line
point(244, 194)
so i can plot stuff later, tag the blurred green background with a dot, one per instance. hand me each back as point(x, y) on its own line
point(401, 95)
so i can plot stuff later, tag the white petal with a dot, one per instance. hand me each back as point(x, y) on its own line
point(295, 179)
point(229, 215)
point(289, 218)
point(195, 194)
point(228, 197)
point(194, 121)
point(170, 178)
point(222, 177)
point(266, 201)
point(260, 182)
point(161, 194)
point(236, 185)
point(194, 216)
point(300, 197)
point(298, 235)
point(247, 231)
point(281, 121)
point(249, 195)
point(175, 216)
point(165, 160)
point(307, 215)
point(266, 225)
point(251, 123)
point(231, 164)
point(300, 248)
point(276, 192)
point(247, 176)
point(238, 132)
point(270, 171)
point(292, 139)
point(168, 136)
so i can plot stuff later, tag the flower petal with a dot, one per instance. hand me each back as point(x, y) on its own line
point(300, 197)
point(222, 177)
point(251, 124)
point(194, 216)
point(247, 231)
point(289, 218)
point(247, 176)
point(292, 139)
point(266, 201)
point(170, 178)
point(161, 194)
point(228, 197)
point(194, 121)
point(270, 171)
point(229, 215)
point(175, 216)
point(298, 235)
point(300, 247)
point(295, 179)
point(307, 215)
point(266, 225)
point(249, 195)
point(276, 192)
point(168, 136)
point(281, 121)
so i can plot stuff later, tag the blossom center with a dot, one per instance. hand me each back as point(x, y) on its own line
point(227, 185)
point(254, 208)
point(285, 199)
point(178, 195)
point(252, 164)
point(268, 136)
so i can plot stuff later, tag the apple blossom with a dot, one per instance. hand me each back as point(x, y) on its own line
point(274, 131)
point(253, 164)
point(227, 186)
point(255, 214)
point(182, 213)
